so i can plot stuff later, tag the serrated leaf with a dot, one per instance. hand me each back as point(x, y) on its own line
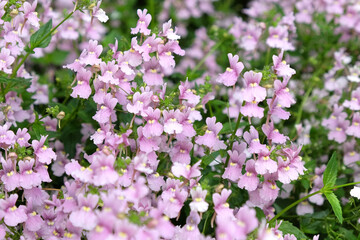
point(38, 40)
point(335, 204)
point(331, 171)
point(288, 228)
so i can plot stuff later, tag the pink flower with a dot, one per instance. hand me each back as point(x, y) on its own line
point(30, 14)
point(108, 71)
point(269, 190)
point(13, 215)
point(210, 138)
point(90, 56)
point(249, 180)
point(236, 161)
point(153, 75)
point(152, 128)
point(253, 91)
point(143, 23)
point(43, 154)
point(82, 89)
point(9, 176)
point(186, 171)
point(27, 177)
point(7, 137)
point(168, 31)
point(220, 204)
point(354, 104)
point(286, 171)
point(265, 164)
point(251, 109)
point(6, 60)
point(104, 172)
point(198, 196)
point(252, 138)
point(22, 137)
point(181, 152)
point(85, 216)
point(280, 67)
point(338, 132)
point(230, 76)
point(147, 144)
point(106, 113)
point(171, 121)
point(273, 134)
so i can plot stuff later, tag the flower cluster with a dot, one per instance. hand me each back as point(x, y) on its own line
point(145, 138)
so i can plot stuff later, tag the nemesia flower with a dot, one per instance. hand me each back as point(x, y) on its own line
point(106, 112)
point(280, 67)
point(91, 55)
point(6, 60)
point(232, 73)
point(9, 175)
point(171, 121)
point(43, 153)
point(82, 89)
point(85, 216)
point(273, 134)
point(210, 138)
point(264, 164)
point(27, 177)
point(7, 137)
point(253, 91)
point(23, 137)
point(338, 133)
point(249, 179)
point(143, 23)
point(354, 104)
point(99, 13)
point(168, 31)
point(187, 171)
point(181, 152)
point(30, 14)
point(198, 204)
point(252, 138)
point(13, 215)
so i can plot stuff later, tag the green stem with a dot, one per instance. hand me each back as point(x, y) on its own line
point(299, 115)
point(324, 189)
point(291, 206)
point(41, 40)
point(212, 50)
point(267, 60)
point(232, 140)
point(344, 185)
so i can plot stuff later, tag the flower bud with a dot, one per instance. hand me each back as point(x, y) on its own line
point(155, 98)
point(60, 115)
point(95, 68)
point(27, 158)
point(14, 13)
point(12, 156)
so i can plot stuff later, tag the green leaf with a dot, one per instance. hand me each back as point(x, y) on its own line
point(38, 38)
point(38, 129)
point(331, 172)
point(15, 81)
point(206, 160)
point(229, 128)
point(335, 204)
point(288, 228)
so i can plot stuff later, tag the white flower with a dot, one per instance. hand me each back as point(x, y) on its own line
point(355, 192)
